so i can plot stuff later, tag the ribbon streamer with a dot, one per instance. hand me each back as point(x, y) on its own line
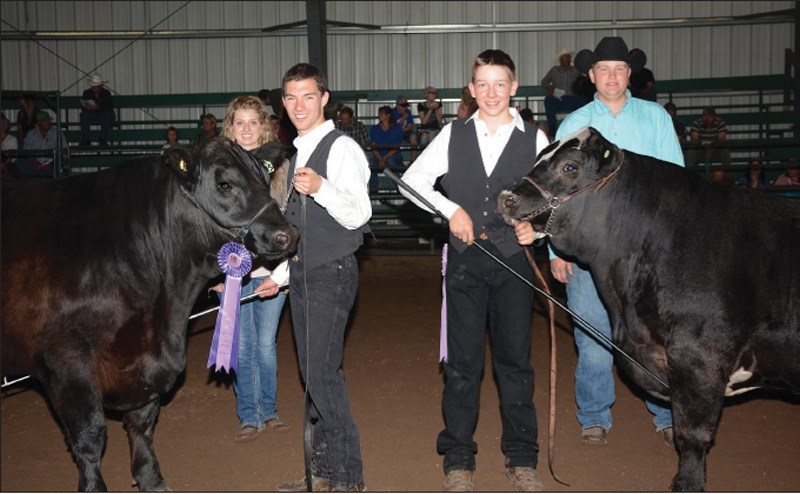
point(235, 262)
point(443, 330)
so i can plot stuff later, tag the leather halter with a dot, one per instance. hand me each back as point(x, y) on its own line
point(553, 202)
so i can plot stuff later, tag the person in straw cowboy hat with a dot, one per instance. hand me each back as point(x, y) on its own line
point(98, 107)
point(559, 82)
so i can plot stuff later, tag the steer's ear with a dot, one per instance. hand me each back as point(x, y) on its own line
point(270, 155)
point(179, 160)
point(607, 152)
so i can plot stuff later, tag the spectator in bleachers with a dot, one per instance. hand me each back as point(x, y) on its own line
point(527, 115)
point(754, 177)
point(710, 132)
point(386, 137)
point(171, 136)
point(348, 124)
point(208, 124)
point(431, 116)
point(44, 137)
point(26, 117)
point(98, 107)
point(467, 106)
point(720, 176)
point(402, 116)
point(680, 128)
point(791, 176)
point(7, 143)
point(642, 82)
point(559, 82)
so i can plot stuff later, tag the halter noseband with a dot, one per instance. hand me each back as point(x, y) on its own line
point(553, 202)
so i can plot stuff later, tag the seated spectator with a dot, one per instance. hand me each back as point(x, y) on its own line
point(208, 124)
point(559, 82)
point(791, 176)
point(642, 82)
point(7, 143)
point(44, 137)
point(468, 105)
point(98, 108)
point(171, 136)
point(402, 116)
point(680, 129)
point(386, 137)
point(348, 124)
point(430, 116)
point(720, 176)
point(710, 132)
point(527, 115)
point(754, 176)
point(26, 117)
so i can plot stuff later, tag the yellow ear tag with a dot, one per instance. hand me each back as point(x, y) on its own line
point(606, 153)
point(268, 166)
point(182, 166)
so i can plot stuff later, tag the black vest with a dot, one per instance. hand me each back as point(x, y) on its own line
point(467, 185)
point(325, 239)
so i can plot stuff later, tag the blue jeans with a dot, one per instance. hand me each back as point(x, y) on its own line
point(395, 163)
point(594, 381)
point(255, 381)
point(554, 106)
point(332, 291)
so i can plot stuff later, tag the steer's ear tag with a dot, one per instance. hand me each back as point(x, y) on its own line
point(606, 154)
point(182, 166)
point(268, 165)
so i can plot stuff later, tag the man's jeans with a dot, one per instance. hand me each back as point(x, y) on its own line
point(256, 379)
point(594, 381)
point(89, 118)
point(566, 104)
point(332, 290)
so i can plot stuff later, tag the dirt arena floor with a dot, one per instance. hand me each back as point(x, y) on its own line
point(395, 384)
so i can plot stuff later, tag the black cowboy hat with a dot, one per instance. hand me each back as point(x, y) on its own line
point(609, 48)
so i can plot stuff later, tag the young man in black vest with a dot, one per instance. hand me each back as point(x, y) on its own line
point(478, 157)
point(329, 202)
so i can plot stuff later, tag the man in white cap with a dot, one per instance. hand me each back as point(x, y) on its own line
point(561, 96)
point(642, 127)
point(98, 108)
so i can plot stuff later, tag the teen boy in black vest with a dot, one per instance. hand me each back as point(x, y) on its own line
point(330, 204)
point(479, 156)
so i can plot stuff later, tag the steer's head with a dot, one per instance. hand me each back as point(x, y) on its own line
point(564, 170)
point(230, 189)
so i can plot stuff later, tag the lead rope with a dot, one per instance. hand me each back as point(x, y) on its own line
point(551, 422)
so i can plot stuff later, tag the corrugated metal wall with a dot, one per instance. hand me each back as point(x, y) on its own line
point(366, 61)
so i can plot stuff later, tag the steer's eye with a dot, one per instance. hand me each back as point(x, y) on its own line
point(224, 186)
point(570, 168)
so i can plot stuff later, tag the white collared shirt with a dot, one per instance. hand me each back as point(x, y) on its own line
point(433, 162)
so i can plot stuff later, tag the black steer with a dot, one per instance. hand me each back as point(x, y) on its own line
point(99, 276)
point(701, 281)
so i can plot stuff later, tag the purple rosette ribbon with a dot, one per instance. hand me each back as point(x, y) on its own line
point(235, 262)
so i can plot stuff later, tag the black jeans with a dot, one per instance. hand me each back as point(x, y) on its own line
point(480, 291)
point(332, 291)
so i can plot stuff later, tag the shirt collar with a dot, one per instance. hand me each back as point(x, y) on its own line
point(602, 109)
point(518, 122)
point(313, 138)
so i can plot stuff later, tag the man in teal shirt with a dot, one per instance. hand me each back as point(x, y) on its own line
point(642, 127)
